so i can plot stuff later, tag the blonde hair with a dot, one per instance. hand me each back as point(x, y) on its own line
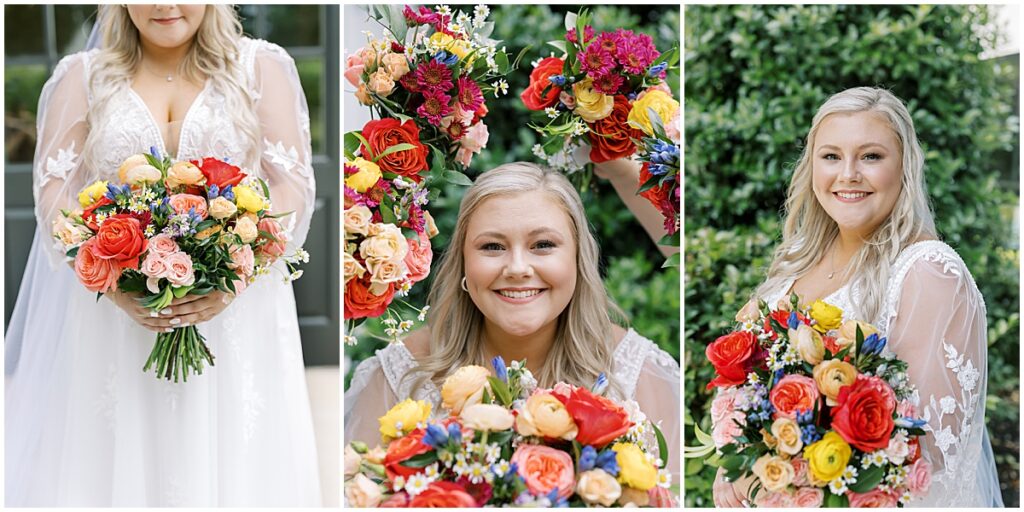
point(808, 230)
point(213, 55)
point(583, 344)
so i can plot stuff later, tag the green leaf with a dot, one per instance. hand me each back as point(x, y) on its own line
point(458, 178)
point(833, 501)
point(266, 189)
point(558, 45)
point(352, 143)
point(671, 261)
point(868, 479)
point(662, 446)
point(393, 149)
point(420, 461)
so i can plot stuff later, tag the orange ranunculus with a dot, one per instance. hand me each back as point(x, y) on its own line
point(599, 420)
point(95, 272)
point(545, 468)
point(403, 449)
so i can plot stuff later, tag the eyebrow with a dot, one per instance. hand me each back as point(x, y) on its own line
point(501, 236)
point(862, 146)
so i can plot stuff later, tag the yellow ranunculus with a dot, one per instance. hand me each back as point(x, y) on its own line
point(92, 193)
point(591, 105)
point(662, 103)
point(827, 459)
point(247, 199)
point(827, 316)
point(458, 47)
point(634, 469)
point(368, 175)
point(403, 417)
point(808, 344)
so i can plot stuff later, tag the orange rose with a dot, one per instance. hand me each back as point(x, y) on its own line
point(121, 240)
point(360, 303)
point(443, 495)
point(401, 450)
point(792, 394)
point(98, 274)
point(545, 468)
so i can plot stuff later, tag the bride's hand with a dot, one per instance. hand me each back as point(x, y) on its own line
point(730, 494)
point(196, 309)
point(623, 170)
point(129, 303)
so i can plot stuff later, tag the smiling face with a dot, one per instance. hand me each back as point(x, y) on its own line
point(857, 168)
point(167, 25)
point(520, 262)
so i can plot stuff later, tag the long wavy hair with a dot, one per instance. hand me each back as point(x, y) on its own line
point(583, 344)
point(808, 230)
point(213, 55)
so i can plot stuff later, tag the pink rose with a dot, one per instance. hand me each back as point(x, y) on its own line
point(808, 497)
point(672, 126)
point(154, 267)
point(275, 245)
point(183, 203)
point(773, 500)
point(567, 99)
point(242, 260)
point(872, 499)
point(180, 271)
point(418, 259)
point(794, 393)
point(724, 417)
point(906, 409)
point(545, 468)
point(800, 478)
point(724, 432)
point(95, 272)
point(163, 245)
point(354, 67)
point(660, 497)
point(472, 142)
point(919, 478)
point(724, 404)
point(463, 116)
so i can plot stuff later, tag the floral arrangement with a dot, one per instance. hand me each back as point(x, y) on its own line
point(593, 91)
point(506, 442)
point(658, 149)
point(816, 409)
point(171, 229)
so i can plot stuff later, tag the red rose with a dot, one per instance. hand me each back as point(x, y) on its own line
point(863, 417)
point(401, 450)
point(532, 97)
point(610, 138)
point(732, 355)
point(120, 238)
point(359, 302)
point(443, 495)
point(89, 214)
point(218, 172)
point(384, 133)
point(659, 195)
point(481, 492)
point(599, 420)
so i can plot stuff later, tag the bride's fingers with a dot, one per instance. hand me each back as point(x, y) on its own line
point(186, 300)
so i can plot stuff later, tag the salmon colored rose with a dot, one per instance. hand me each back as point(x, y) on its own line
point(179, 269)
point(792, 394)
point(611, 137)
point(599, 420)
point(418, 259)
point(360, 303)
point(545, 468)
point(220, 173)
point(864, 415)
point(443, 495)
point(398, 500)
point(276, 243)
point(382, 134)
point(403, 449)
point(873, 499)
point(98, 274)
point(733, 355)
point(120, 239)
point(534, 96)
point(185, 203)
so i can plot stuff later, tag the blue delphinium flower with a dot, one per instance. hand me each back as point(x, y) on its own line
point(154, 152)
point(910, 423)
point(607, 461)
point(557, 80)
point(435, 437)
point(213, 192)
point(443, 57)
point(809, 434)
point(588, 457)
point(794, 321)
point(228, 193)
point(499, 369)
point(455, 433)
point(657, 69)
point(601, 384)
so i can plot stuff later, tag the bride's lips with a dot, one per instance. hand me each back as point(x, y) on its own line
point(166, 21)
point(851, 196)
point(519, 295)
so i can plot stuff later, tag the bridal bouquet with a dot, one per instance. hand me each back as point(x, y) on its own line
point(592, 92)
point(817, 410)
point(171, 229)
point(506, 442)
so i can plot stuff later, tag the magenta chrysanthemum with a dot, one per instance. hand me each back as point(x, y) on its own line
point(636, 53)
point(608, 83)
point(609, 41)
point(588, 34)
point(433, 76)
point(470, 96)
point(435, 105)
point(595, 61)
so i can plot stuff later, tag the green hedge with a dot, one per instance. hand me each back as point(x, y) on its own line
point(754, 77)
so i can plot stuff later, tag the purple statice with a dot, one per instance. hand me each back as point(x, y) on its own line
point(436, 105)
point(182, 224)
point(432, 76)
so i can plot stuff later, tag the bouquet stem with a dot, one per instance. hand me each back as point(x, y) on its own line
point(178, 353)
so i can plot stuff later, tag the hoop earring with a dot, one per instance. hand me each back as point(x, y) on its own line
point(464, 287)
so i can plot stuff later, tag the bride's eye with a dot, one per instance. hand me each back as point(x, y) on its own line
point(492, 246)
point(830, 156)
point(545, 244)
point(872, 156)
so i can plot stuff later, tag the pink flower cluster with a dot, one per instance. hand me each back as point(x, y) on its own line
point(425, 16)
point(166, 260)
point(610, 55)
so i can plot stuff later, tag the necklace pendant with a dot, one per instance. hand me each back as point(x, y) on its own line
point(170, 78)
point(830, 275)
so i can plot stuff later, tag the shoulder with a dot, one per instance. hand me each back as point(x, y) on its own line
point(256, 53)
point(636, 355)
point(929, 259)
point(417, 343)
point(74, 69)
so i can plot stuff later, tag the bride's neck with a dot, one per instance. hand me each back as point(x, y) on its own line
point(164, 60)
point(847, 244)
point(533, 348)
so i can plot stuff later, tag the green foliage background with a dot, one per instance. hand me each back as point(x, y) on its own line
point(754, 77)
point(630, 260)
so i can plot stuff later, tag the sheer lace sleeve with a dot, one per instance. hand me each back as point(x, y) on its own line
point(940, 328)
point(657, 394)
point(286, 154)
point(367, 398)
point(61, 127)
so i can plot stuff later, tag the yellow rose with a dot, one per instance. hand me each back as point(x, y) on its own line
point(387, 244)
point(662, 103)
point(221, 208)
point(403, 417)
point(827, 459)
point(129, 164)
point(787, 434)
point(808, 344)
point(361, 492)
point(367, 176)
point(458, 47)
point(395, 64)
point(634, 469)
point(246, 229)
point(381, 83)
point(247, 199)
point(184, 173)
point(827, 316)
point(831, 376)
point(597, 487)
point(353, 269)
point(143, 174)
point(92, 193)
point(464, 387)
point(544, 415)
point(591, 105)
point(847, 334)
point(774, 472)
point(487, 417)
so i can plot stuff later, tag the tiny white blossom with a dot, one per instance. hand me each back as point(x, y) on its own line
point(481, 11)
point(552, 112)
point(416, 484)
point(444, 10)
point(351, 340)
point(664, 479)
point(501, 468)
point(838, 486)
point(500, 87)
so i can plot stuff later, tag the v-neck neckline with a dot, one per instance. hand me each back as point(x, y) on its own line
point(156, 126)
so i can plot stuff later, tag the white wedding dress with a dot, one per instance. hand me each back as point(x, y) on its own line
point(934, 317)
point(644, 372)
point(84, 426)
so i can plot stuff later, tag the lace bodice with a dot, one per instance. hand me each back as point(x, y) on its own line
point(934, 317)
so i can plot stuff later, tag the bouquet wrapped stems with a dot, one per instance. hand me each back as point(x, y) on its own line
point(178, 353)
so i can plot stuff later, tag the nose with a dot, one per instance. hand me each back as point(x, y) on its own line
point(850, 171)
point(518, 265)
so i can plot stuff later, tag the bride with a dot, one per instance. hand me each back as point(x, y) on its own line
point(84, 425)
point(519, 279)
point(859, 234)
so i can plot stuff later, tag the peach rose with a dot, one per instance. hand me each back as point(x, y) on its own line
point(363, 95)
point(486, 417)
point(246, 229)
point(361, 492)
point(808, 497)
point(381, 83)
point(276, 244)
point(243, 260)
point(354, 67)
point(876, 498)
point(388, 244)
point(800, 478)
point(180, 271)
point(792, 394)
point(221, 208)
point(464, 387)
point(544, 415)
point(129, 164)
point(787, 434)
point(773, 500)
point(184, 173)
point(185, 203)
point(472, 142)
point(69, 232)
point(96, 273)
point(353, 269)
point(383, 273)
point(357, 221)
point(545, 468)
point(831, 376)
point(395, 64)
point(352, 461)
point(847, 334)
point(418, 259)
point(774, 472)
point(597, 487)
point(163, 245)
point(154, 267)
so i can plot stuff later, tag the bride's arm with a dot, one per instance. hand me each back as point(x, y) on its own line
point(657, 394)
point(940, 329)
point(624, 175)
point(368, 397)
